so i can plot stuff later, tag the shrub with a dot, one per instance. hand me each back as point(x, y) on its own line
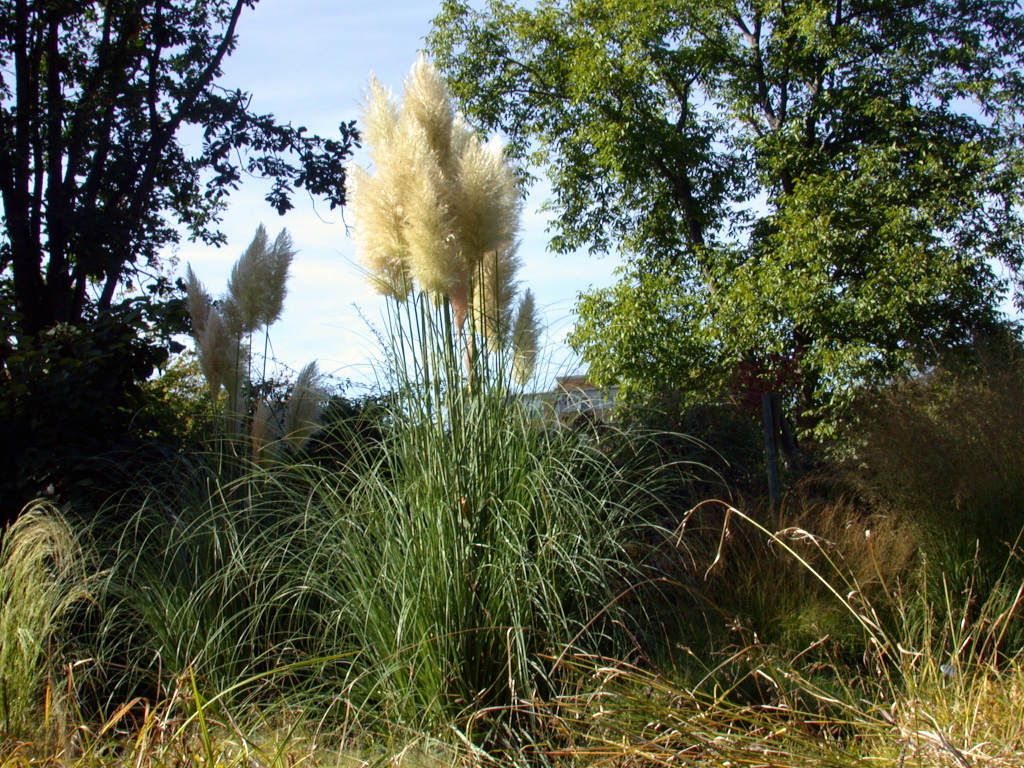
point(947, 449)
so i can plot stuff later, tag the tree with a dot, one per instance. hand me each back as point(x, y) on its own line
point(812, 195)
point(95, 181)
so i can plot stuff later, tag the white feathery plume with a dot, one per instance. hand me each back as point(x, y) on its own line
point(427, 103)
point(525, 335)
point(279, 259)
point(258, 283)
point(431, 138)
point(248, 285)
point(488, 201)
point(434, 259)
point(232, 314)
point(376, 213)
point(266, 429)
point(380, 119)
point(197, 301)
point(305, 406)
point(494, 291)
point(215, 347)
point(440, 204)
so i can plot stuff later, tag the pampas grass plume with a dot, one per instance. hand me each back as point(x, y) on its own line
point(256, 287)
point(377, 214)
point(494, 291)
point(435, 261)
point(215, 347)
point(305, 407)
point(488, 201)
point(427, 104)
point(266, 429)
point(380, 119)
point(280, 260)
point(525, 335)
point(246, 285)
point(441, 210)
point(197, 301)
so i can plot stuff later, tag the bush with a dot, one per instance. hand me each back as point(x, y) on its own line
point(947, 449)
point(75, 393)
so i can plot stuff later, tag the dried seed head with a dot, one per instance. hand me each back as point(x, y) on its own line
point(488, 203)
point(198, 302)
point(380, 118)
point(427, 105)
point(494, 292)
point(247, 284)
point(305, 407)
point(279, 259)
point(379, 233)
point(215, 347)
point(435, 261)
point(525, 335)
point(441, 211)
point(257, 285)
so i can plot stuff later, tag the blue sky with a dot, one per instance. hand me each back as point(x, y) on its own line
point(309, 62)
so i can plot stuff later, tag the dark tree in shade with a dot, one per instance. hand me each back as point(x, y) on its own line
point(95, 181)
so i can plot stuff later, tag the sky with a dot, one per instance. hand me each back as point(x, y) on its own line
point(309, 62)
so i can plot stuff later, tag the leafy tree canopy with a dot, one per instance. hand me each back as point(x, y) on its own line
point(812, 195)
point(93, 177)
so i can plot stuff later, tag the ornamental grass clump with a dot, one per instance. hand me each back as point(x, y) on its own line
point(936, 680)
point(473, 548)
point(44, 575)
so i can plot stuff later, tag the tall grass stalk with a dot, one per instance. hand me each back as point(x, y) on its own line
point(201, 581)
point(44, 573)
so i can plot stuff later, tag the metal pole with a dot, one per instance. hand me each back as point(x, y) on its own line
point(771, 411)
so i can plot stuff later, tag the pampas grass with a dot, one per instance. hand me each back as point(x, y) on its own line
point(494, 294)
point(379, 232)
point(524, 339)
point(197, 301)
point(254, 300)
point(258, 283)
point(44, 574)
point(441, 210)
point(217, 350)
point(305, 407)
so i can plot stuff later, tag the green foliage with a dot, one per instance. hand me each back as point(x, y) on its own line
point(178, 405)
point(201, 581)
point(461, 575)
point(74, 392)
point(811, 196)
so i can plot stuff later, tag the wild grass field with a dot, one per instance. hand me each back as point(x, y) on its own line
point(440, 578)
point(463, 587)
